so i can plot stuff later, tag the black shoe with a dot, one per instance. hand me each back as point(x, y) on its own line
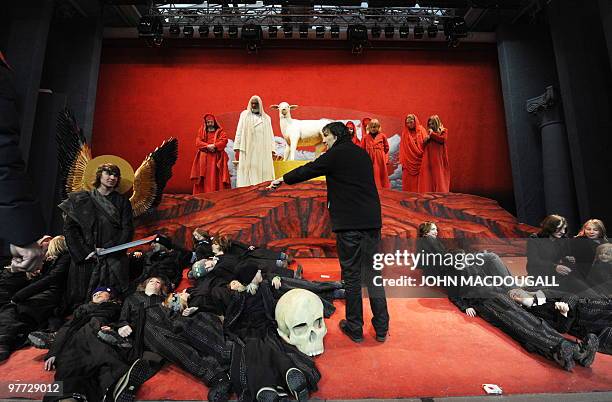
point(564, 354)
point(220, 391)
point(113, 338)
point(42, 340)
point(381, 338)
point(585, 353)
point(298, 386)
point(128, 384)
point(268, 394)
point(354, 338)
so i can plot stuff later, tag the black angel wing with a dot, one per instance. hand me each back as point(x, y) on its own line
point(151, 177)
point(73, 153)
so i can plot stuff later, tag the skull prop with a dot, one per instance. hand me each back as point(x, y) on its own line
point(299, 315)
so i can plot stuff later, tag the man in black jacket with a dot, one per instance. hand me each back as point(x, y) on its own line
point(21, 220)
point(354, 210)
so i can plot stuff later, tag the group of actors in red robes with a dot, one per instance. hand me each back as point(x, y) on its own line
point(423, 155)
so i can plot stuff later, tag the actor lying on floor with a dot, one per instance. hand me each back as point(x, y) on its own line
point(263, 366)
point(570, 314)
point(88, 367)
point(496, 307)
point(36, 304)
point(157, 328)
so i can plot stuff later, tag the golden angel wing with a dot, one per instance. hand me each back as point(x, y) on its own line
point(72, 151)
point(151, 177)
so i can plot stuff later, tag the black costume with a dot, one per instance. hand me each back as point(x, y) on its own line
point(167, 263)
point(85, 364)
point(543, 256)
point(497, 308)
point(583, 249)
point(34, 305)
point(260, 358)
point(600, 278)
point(585, 316)
point(166, 332)
point(355, 214)
point(93, 220)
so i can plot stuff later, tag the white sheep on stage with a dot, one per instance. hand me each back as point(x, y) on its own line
point(296, 132)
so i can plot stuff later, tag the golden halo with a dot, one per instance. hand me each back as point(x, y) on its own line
point(127, 172)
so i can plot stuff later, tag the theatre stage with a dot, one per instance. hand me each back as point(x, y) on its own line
point(433, 350)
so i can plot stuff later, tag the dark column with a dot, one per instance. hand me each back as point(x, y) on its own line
point(25, 46)
point(585, 84)
point(526, 65)
point(559, 191)
point(69, 78)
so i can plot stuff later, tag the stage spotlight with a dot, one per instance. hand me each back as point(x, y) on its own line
point(320, 32)
point(303, 30)
point(389, 32)
point(150, 26)
point(404, 31)
point(203, 30)
point(272, 31)
point(174, 30)
point(454, 30)
point(419, 31)
point(357, 33)
point(376, 31)
point(335, 31)
point(232, 31)
point(251, 32)
point(188, 31)
point(288, 30)
point(432, 31)
point(218, 31)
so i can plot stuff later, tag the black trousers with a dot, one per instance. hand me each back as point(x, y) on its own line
point(356, 250)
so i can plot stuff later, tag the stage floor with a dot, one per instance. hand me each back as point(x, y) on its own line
point(433, 350)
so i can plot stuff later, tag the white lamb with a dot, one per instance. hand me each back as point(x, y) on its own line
point(299, 132)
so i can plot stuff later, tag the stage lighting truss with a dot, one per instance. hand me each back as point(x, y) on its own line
point(307, 21)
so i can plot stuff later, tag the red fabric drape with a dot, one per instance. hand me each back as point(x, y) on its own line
point(411, 154)
point(378, 148)
point(356, 140)
point(435, 170)
point(209, 171)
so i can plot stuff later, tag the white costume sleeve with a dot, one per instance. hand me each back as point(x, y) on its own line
point(238, 137)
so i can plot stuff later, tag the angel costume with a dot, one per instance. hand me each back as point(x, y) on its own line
point(93, 220)
point(255, 141)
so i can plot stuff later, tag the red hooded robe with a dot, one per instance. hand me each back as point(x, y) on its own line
point(435, 170)
point(411, 154)
point(355, 139)
point(378, 149)
point(209, 171)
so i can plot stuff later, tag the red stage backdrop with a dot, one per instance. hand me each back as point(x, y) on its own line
point(146, 95)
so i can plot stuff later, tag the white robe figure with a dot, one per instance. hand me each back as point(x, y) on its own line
point(255, 141)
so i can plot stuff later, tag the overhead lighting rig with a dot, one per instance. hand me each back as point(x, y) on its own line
point(309, 22)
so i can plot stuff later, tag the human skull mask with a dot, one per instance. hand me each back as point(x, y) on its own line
point(299, 315)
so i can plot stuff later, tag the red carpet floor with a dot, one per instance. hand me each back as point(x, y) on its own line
point(433, 350)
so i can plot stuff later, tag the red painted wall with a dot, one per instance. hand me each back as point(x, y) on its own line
point(146, 95)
